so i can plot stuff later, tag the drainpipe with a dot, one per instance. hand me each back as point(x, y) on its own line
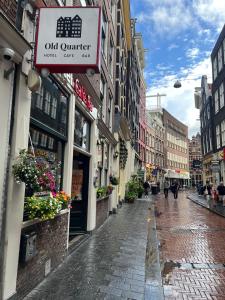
point(3, 209)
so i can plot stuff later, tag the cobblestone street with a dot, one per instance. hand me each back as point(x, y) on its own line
point(109, 265)
point(192, 249)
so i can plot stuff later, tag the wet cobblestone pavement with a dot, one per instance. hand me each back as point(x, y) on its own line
point(192, 249)
point(109, 265)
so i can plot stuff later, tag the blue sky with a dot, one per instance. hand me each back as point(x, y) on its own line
point(179, 36)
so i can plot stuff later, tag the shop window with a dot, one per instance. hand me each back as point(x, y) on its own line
point(82, 131)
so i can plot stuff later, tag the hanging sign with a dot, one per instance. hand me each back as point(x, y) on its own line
point(68, 39)
point(81, 93)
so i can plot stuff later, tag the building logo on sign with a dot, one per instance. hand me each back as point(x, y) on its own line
point(71, 42)
point(69, 27)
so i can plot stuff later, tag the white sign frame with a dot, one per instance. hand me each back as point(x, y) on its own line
point(68, 39)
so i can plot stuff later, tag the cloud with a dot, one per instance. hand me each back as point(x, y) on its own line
point(180, 102)
point(211, 12)
point(192, 53)
point(172, 46)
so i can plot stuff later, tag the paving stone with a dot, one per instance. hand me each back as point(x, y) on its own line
point(107, 264)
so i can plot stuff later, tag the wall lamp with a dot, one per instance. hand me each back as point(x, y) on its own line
point(116, 154)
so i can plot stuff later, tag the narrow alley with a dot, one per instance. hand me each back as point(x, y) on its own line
point(111, 264)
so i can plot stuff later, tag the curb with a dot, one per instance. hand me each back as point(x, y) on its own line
point(205, 206)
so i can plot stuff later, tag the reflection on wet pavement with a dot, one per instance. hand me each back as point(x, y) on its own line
point(192, 250)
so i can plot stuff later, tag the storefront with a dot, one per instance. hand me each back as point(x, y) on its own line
point(80, 178)
point(83, 193)
point(181, 176)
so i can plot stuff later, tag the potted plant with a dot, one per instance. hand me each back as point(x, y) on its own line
point(43, 208)
point(140, 191)
point(113, 180)
point(64, 199)
point(130, 196)
point(101, 192)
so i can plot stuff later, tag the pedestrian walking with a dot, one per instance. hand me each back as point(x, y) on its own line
point(146, 187)
point(166, 186)
point(174, 189)
point(221, 192)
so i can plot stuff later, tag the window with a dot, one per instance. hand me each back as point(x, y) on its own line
point(208, 111)
point(221, 89)
point(216, 102)
point(108, 113)
point(104, 33)
point(111, 52)
point(218, 136)
point(82, 131)
point(54, 108)
point(47, 103)
point(50, 143)
point(35, 137)
point(223, 132)
point(44, 138)
point(220, 60)
point(214, 68)
point(224, 51)
point(39, 101)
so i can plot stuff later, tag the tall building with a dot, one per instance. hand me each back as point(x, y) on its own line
point(195, 160)
point(142, 102)
point(150, 148)
point(157, 134)
point(218, 108)
point(176, 149)
point(90, 140)
point(203, 102)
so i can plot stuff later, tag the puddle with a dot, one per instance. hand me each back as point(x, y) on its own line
point(168, 268)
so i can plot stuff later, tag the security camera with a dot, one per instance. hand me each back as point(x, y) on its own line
point(90, 72)
point(7, 54)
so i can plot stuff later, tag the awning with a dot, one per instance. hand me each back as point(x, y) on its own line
point(175, 175)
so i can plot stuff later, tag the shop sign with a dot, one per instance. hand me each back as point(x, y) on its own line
point(68, 39)
point(80, 91)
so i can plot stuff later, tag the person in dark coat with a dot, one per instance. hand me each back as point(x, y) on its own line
point(174, 189)
point(221, 192)
point(146, 187)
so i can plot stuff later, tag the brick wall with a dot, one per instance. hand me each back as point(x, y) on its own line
point(51, 244)
point(102, 211)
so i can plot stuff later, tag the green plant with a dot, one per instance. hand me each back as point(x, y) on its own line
point(114, 180)
point(130, 196)
point(140, 190)
point(44, 208)
point(101, 192)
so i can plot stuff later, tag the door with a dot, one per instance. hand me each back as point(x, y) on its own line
point(79, 194)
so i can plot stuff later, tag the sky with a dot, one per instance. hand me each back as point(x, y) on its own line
point(179, 36)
